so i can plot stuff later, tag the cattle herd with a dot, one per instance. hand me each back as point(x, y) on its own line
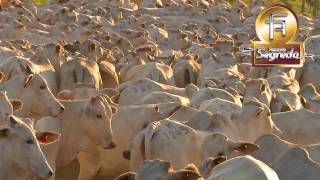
point(152, 90)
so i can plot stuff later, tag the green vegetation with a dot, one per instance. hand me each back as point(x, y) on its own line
point(309, 7)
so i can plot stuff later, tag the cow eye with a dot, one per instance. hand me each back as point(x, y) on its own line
point(29, 141)
point(43, 86)
point(99, 116)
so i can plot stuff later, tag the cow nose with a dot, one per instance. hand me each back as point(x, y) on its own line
point(112, 145)
point(61, 109)
point(50, 174)
point(126, 154)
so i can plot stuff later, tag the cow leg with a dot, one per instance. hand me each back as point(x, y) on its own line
point(89, 164)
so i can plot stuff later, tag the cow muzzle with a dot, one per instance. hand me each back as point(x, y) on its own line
point(126, 154)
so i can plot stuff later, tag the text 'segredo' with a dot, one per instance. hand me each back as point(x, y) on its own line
point(276, 28)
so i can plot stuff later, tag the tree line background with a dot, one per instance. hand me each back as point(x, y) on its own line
point(309, 7)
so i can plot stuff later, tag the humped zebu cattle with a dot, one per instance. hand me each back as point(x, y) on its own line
point(153, 90)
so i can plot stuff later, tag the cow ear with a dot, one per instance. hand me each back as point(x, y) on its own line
point(259, 111)
point(47, 137)
point(245, 147)
point(114, 109)
point(263, 87)
point(4, 132)
point(27, 80)
point(57, 49)
point(29, 70)
point(13, 120)
point(92, 46)
point(196, 57)
point(16, 104)
point(65, 95)
point(303, 101)
point(172, 60)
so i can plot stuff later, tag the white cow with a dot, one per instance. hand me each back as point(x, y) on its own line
point(211, 93)
point(158, 169)
point(21, 156)
point(258, 88)
point(84, 125)
point(126, 124)
point(220, 106)
point(295, 164)
point(32, 89)
point(299, 126)
point(132, 91)
point(162, 97)
point(79, 70)
point(246, 124)
point(243, 168)
point(285, 100)
point(271, 147)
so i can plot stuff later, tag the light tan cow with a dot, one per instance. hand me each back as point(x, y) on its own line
point(79, 70)
point(211, 93)
point(294, 127)
point(246, 125)
point(285, 100)
point(296, 160)
point(154, 71)
point(220, 106)
point(159, 169)
point(243, 167)
point(258, 88)
point(108, 75)
point(308, 91)
point(56, 55)
point(314, 105)
point(162, 97)
point(219, 145)
point(22, 157)
point(84, 125)
point(282, 82)
point(32, 89)
point(310, 70)
point(186, 72)
point(131, 92)
point(271, 147)
point(16, 65)
point(165, 140)
point(126, 123)
point(253, 115)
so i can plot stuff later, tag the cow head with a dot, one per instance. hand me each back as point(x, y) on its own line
point(37, 97)
point(96, 123)
point(22, 150)
point(258, 116)
point(284, 100)
point(257, 88)
point(218, 144)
